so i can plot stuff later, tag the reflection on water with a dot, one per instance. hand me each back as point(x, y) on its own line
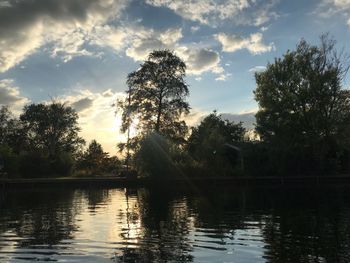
point(149, 225)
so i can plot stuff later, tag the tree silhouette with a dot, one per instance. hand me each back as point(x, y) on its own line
point(301, 104)
point(156, 97)
point(209, 142)
point(94, 158)
point(52, 128)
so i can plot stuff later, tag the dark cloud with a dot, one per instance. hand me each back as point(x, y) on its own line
point(25, 25)
point(82, 104)
point(248, 118)
point(20, 14)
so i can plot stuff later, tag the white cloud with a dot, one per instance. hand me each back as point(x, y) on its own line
point(223, 77)
point(334, 8)
point(257, 69)
point(253, 43)
point(10, 95)
point(194, 28)
point(345, 4)
point(27, 25)
point(211, 12)
point(109, 36)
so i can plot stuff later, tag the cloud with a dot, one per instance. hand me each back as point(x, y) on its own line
point(212, 12)
point(334, 8)
point(223, 77)
point(257, 69)
point(194, 28)
point(10, 95)
point(146, 40)
point(27, 25)
point(82, 104)
point(195, 117)
point(70, 28)
point(248, 118)
point(113, 37)
point(344, 4)
point(97, 117)
point(253, 43)
point(197, 59)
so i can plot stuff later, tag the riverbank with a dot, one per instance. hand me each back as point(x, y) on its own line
point(125, 182)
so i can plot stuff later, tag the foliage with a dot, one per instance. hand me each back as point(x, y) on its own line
point(34, 164)
point(62, 165)
point(94, 158)
point(51, 128)
point(11, 132)
point(158, 157)
point(211, 143)
point(9, 160)
point(5, 124)
point(156, 98)
point(302, 107)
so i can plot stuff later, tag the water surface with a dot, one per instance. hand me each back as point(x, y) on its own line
point(218, 224)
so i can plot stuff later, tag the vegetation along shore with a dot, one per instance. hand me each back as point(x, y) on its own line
point(302, 128)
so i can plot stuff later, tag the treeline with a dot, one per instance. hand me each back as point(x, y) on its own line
point(44, 142)
point(302, 125)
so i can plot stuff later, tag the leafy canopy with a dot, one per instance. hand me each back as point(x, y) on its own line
point(207, 141)
point(156, 97)
point(52, 128)
point(300, 99)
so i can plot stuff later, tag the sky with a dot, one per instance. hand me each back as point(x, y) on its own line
point(80, 51)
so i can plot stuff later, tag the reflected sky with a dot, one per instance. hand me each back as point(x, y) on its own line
point(179, 225)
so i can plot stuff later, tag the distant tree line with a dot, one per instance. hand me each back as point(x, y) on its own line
point(44, 142)
point(302, 125)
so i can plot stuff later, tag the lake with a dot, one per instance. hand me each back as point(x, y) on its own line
point(211, 224)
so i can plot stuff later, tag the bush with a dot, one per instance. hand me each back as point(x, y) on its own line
point(34, 165)
point(62, 165)
point(157, 157)
point(10, 161)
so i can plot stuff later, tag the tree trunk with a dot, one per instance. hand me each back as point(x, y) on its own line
point(159, 113)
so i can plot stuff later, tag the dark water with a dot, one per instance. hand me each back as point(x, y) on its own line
point(198, 225)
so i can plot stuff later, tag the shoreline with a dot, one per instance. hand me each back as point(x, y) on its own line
point(139, 182)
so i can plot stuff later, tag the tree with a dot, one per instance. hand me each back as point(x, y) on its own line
point(10, 129)
point(156, 98)
point(211, 142)
point(51, 128)
point(302, 106)
point(5, 119)
point(94, 157)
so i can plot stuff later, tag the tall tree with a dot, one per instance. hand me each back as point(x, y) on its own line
point(156, 97)
point(301, 102)
point(53, 128)
point(94, 157)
